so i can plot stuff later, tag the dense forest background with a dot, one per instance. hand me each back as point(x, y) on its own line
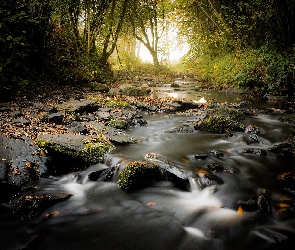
point(248, 45)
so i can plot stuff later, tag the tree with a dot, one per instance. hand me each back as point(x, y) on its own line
point(147, 19)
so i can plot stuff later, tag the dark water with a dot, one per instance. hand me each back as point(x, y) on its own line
point(100, 215)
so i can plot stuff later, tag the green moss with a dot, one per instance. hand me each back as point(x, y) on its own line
point(136, 91)
point(231, 113)
point(220, 123)
point(91, 152)
point(111, 103)
point(138, 175)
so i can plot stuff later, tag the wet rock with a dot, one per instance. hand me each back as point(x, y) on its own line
point(106, 174)
point(264, 203)
point(250, 205)
point(73, 152)
point(186, 105)
point(253, 151)
point(30, 206)
point(184, 129)
point(230, 113)
point(20, 163)
point(220, 169)
point(130, 90)
point(252, 129)
point(138, 175)
point(166, 165)
point(244, 104)
point(287, 182)
point(254, 137)
point(206, 179)
point(201, 156)
point(217, 153)
point(77, 127)
point(113, 134)
point(220, 124)
point(20, 121)
point(79, 106)
point(172, 106)
point(284, 149)
point(56, 118)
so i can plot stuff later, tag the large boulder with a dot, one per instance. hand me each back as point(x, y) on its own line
point(113, 134)
point(73, 152)
point(79, 106)
point(20, 163)
point(220, 124)
point(137, 175)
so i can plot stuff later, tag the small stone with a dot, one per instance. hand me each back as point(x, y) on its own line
point(77, 127)
point(15, 114)
point(56, 118)
point(201, 156)
point(21, 122)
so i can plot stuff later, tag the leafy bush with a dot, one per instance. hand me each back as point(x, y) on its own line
point(259, 72)
point(22, 30)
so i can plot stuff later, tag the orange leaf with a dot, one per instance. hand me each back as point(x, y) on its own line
point(151, 203)
point(240, 210)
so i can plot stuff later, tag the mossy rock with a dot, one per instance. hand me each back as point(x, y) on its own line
point(231, 113)
point(220, 123)
point(87, 149)
point(138, 175)
point(136, 91)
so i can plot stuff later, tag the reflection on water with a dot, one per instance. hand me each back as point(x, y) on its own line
point(100, 215)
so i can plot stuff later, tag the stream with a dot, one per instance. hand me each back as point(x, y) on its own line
point(100, 215)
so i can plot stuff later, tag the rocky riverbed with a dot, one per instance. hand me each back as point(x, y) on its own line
point(69, 130)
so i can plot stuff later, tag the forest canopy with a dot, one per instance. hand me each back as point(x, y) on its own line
point(248, 45)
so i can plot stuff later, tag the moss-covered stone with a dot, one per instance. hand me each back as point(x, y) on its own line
point(137, 175)
point(220, 123)
point(86, 148)
point(136, 91)
point(231, 113)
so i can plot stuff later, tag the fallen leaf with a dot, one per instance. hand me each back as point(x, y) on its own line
point(151, 203)
point(240, 210)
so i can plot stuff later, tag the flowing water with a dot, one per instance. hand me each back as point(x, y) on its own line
point(100, 215)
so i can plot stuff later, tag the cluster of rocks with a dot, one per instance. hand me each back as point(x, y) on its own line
point(40, 140)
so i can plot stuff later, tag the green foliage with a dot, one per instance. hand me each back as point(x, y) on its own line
point(67, 65)
point(138, 175)
point(22, 30)
point(259, 72)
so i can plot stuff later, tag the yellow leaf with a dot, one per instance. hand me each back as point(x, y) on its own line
point(240, 210)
